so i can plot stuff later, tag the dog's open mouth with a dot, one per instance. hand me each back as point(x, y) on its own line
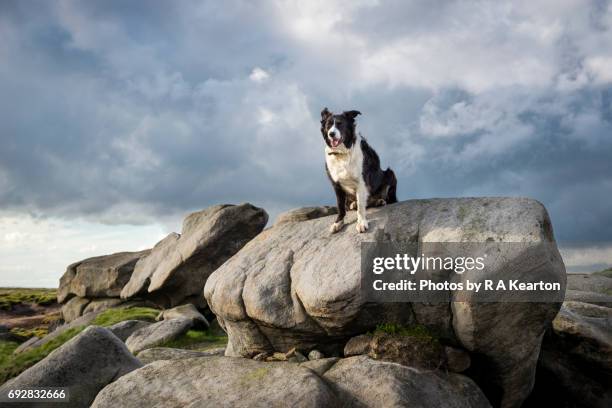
point(335, 142)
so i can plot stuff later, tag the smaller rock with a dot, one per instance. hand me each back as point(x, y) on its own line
point(358, 345)
point(457, 360)
point(187, 311)
point(261, 356)
point(315, 355)
point(74, 308)
point(300, 357)
point(305, 214)
point(157, 334)
point(126, 328)
point(26, 345)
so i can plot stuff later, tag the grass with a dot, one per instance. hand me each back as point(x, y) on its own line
point(113, 316)
point(14, 296)
point(197, 340)
point(418, 331)
point(12, 365)
point(606, 272)
point(39, 331)
point(6, 349)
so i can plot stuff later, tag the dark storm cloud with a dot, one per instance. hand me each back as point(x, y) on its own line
point(132, 111)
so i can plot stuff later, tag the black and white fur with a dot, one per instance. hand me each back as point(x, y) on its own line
point(353, 168)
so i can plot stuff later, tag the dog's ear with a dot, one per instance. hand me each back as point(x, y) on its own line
point(325, 113)
point(351, 114)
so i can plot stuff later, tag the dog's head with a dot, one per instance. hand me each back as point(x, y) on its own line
point(339, 129)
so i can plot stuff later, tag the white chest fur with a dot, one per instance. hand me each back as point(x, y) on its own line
point(346, 167)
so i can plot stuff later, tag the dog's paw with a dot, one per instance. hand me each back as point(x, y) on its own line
point(353, 205)
point(380, 202)
point(336, 226)
point(362, 226)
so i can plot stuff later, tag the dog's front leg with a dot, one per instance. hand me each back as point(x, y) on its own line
point(341, 202)
point(362, 203)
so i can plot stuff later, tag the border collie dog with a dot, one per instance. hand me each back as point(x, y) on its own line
point(353, 168)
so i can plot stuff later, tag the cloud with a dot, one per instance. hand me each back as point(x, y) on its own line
point(135, 114)
point(34, 250)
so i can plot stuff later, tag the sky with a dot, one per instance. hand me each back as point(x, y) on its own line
point(119, 118)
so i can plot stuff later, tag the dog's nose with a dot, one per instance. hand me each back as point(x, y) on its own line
point(332, 133)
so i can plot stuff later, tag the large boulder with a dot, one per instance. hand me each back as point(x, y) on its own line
point(84, 365)
point(157, 333)
point(217, 382)
point(360, 381)
point(295, 285)
point(101, 276)
point(177, 267)
point(576, 360)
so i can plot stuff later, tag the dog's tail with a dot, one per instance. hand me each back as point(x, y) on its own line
point(391, 181)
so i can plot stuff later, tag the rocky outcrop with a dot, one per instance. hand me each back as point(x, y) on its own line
point(187, 311)
point(177, 267)
point(360, 381)
point(230, 382)
point(157, 333)
point(305, 214)
point(84, 365)
point(218, 382)
point(576, 360)
point(101, 276)
point(295, 285)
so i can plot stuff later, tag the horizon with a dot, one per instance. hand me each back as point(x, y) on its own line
point(118, 119)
